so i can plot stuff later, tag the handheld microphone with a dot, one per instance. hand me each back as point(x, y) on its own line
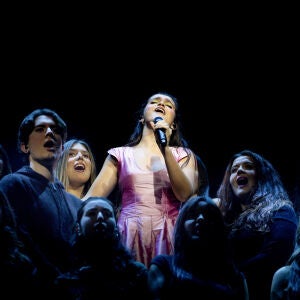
point(160, 133)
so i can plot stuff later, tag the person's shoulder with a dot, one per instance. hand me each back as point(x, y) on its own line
point(117, 149)
point(7, 179)
point(280, 280)
point(282, 273)
point(161, 260)
point(287, 212)
point(119, 152)
point(139, 266)
point(137, 270)
point(15, 178)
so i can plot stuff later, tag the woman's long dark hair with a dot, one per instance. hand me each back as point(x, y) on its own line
point(176, 139)
point(207, 261)
point(268, 196)
point(210, 256)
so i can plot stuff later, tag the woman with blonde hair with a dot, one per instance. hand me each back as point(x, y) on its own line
point(76, 168)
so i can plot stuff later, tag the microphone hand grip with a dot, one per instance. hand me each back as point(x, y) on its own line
point(160, 133)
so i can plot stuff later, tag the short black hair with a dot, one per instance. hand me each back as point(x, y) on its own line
point(27, 125)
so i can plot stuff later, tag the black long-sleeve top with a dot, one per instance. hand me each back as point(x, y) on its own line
point(45, 215)
point(258, 254)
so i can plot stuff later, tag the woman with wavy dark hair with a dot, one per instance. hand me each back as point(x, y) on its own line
point(155, 172)
point(261, 219)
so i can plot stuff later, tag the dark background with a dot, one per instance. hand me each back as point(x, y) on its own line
point(237, 82)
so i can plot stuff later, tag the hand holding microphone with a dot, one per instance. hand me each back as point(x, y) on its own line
point(160, 133)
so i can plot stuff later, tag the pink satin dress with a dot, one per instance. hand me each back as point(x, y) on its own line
point(148, 206)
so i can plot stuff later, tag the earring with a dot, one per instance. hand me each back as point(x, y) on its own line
point(173, 126)
point(25, 148)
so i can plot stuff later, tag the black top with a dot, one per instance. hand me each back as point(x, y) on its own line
point(45, 215)
point(101, 282)
point(258, 255)
point(200, 288)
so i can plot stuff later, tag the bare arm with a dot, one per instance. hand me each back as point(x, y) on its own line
point(106, 180)
point(183, 179)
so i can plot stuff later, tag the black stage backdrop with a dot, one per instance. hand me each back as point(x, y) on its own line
point(237, 87)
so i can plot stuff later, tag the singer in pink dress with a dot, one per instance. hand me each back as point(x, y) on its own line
point(154, 179)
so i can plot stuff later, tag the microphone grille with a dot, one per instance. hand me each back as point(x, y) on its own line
point(157, 119)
